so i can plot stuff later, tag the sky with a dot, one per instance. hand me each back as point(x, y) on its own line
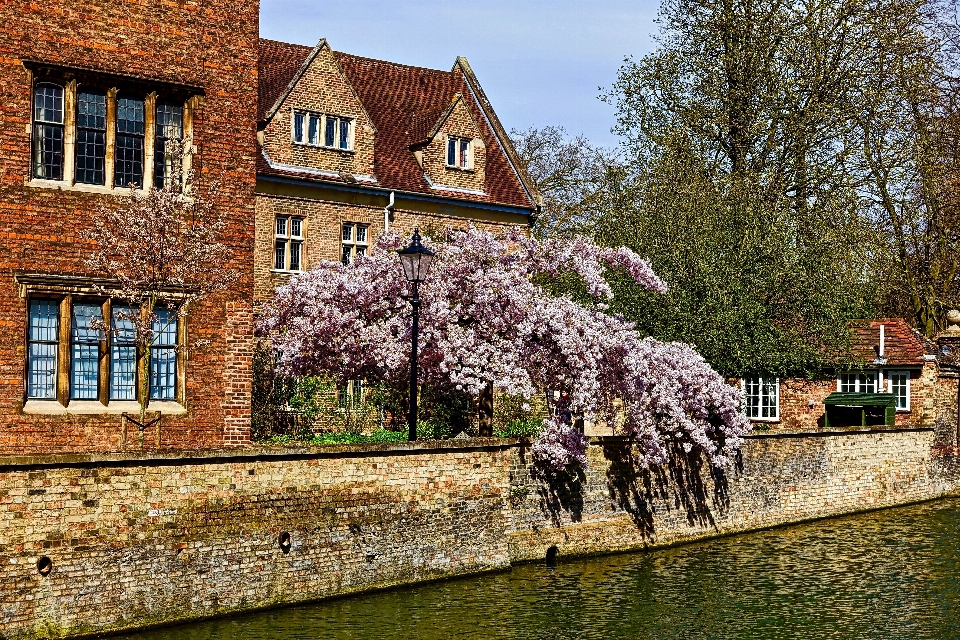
point(541, 62)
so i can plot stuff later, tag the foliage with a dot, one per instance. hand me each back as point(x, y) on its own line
point(162, 250)
point(486, 320)
point(513, 417)
point(342, 437)
point(818, 142)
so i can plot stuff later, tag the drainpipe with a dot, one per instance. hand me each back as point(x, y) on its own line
point(881, 342)
point(387, 213)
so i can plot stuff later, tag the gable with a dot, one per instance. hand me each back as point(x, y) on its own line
point(456, 124)
point(317, 90)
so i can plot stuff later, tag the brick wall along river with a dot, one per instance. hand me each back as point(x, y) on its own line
point(136, 542)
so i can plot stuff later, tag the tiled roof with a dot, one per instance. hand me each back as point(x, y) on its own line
point(279, 62)
point(404, 103)
point(902, 345)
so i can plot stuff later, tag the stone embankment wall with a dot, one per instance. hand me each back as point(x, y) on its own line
point(125, 542)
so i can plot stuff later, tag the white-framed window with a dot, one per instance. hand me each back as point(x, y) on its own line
point(354, 241)
point(761, 397)
point(48, 133)
point(288, 244)
point(322, 130)
point(858, 382)
point(898, 383)
point(458, 152)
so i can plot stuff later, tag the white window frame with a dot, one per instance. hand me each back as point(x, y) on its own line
point(468, 165)
point(290, 240)
point(351, 245)
point(890, 375)
point(320, 142)
point(877, 381)
point(745, 384)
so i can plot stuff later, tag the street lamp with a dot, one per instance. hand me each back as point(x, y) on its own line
point(416, 263)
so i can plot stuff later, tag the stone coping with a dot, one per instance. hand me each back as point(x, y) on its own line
point(175, 457)
point(250, 454)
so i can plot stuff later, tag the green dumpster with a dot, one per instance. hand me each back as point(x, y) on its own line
point(859, 410)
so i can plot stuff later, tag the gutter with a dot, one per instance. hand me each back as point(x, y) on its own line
point(410, 195)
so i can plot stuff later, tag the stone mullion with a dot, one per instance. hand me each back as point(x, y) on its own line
point(149, 138)
point(63, 352)
point(69, 131)
point(103, 371)
point(109, 162)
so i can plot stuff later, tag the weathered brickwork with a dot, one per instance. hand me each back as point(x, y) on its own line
point(802, 409)
point(135, 542)
point(779, 479)
point(459, 123)
point(209, 45)
point(323, 219)
point(322, 89)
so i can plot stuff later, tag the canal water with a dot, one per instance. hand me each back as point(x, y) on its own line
point(887, 574)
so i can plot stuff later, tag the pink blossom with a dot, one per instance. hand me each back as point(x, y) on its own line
point(486, 318)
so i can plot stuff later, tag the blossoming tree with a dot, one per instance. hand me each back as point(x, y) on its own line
point(487, 318)
point(160, 251)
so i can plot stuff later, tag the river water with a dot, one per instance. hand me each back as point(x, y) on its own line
point(887, 574)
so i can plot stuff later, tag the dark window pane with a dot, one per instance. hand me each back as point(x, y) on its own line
point(48, 151)
point(314, 129)
point(295, 255)
point(451, 152)
point(280, 255)
point(130, 116)
point(92, 110)
point(329, 136)
point(129, 160)
point(464, 153)
point(296, 227)
point(347, 249)
point(344, 133)
point(91, 151)
point(297, 127)
point(48, 103)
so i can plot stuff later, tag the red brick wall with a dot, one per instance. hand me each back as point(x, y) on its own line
point(211, 44)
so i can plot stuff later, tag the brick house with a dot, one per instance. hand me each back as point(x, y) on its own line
point(349, 147)
point(90, 93)
point(888, 357)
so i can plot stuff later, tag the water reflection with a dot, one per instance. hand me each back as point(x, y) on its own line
point(890, 574)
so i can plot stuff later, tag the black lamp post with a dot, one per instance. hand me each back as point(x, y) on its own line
point(416, 263)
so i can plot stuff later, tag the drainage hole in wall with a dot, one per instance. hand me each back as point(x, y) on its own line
point(284, 542)
point(552, 555)
point(44, 565)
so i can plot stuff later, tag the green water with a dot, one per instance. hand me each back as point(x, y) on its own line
point(888, 574)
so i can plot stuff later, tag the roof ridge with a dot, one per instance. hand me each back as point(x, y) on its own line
point(393, 64)
point(289, 44)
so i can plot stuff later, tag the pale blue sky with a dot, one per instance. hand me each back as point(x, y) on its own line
point(541, 62)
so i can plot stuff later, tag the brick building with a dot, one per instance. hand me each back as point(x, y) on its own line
point(89, 93)
point(888, 357)
point(350, 146)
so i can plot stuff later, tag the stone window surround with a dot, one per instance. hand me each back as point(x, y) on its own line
point(111, 85)
point(289, 239)
point(351, 147)
point(67, 289)
point(353, 244)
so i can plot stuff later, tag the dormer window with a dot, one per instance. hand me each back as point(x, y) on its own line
point(458, 152)
point(321, 130)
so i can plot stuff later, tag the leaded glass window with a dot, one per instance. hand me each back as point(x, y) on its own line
point(163, 356)
point(85, 351)
point(91, 137)
point(169, 126)
point(48, 132)
point(123, 355)
point(42, 336)
point(129, 144)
